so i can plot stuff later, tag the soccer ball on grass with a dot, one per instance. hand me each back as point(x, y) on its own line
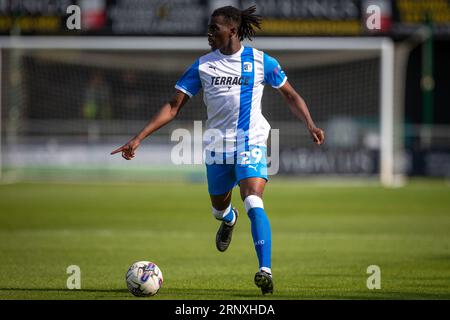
point(144, 279)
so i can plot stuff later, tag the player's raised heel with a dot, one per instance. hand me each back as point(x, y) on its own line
point(264, 281)
point(224, 234)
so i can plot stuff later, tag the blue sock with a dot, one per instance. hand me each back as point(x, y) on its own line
point(261, 234)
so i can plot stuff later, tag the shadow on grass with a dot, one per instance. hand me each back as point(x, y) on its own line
point(65, 290)
point(236, 294)
point(199, 293)
point(391, 295)
point(166, 294)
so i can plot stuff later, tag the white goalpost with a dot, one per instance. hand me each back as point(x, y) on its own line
point(385, 47)
point(37, 74)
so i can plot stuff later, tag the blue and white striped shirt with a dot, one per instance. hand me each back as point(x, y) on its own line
point(233, 87)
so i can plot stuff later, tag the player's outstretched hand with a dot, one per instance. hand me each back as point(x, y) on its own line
point(318, 135)
point(128, 149)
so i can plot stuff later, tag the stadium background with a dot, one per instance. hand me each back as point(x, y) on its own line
point(108, 95)
point(63, 111)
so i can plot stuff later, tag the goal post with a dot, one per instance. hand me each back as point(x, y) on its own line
point(385, 48)
point(332, 66)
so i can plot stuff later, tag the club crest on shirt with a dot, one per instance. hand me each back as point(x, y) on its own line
point(248, 67)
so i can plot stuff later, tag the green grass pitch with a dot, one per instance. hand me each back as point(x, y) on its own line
point(324, 238)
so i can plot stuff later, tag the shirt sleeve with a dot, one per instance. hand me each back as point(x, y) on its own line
point(189, 82)
point(273, 74)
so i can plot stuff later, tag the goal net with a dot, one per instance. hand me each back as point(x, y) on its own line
point(67, 102)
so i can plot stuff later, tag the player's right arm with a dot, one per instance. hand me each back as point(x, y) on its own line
point(167, 113)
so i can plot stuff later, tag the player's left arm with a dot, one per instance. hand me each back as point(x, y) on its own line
point(301, 111)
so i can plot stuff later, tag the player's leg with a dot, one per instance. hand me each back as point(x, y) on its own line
point(251, 193)
point(251, 172)
point(224, 211)
point(221, 207)
point(221, 180)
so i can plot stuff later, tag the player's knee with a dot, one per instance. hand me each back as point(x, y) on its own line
point(253, 201)
point(250, 192)
point(219, 214)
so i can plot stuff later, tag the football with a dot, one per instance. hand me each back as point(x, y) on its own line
point(144, 279)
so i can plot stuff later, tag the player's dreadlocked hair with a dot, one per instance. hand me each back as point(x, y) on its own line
point(246, 19)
